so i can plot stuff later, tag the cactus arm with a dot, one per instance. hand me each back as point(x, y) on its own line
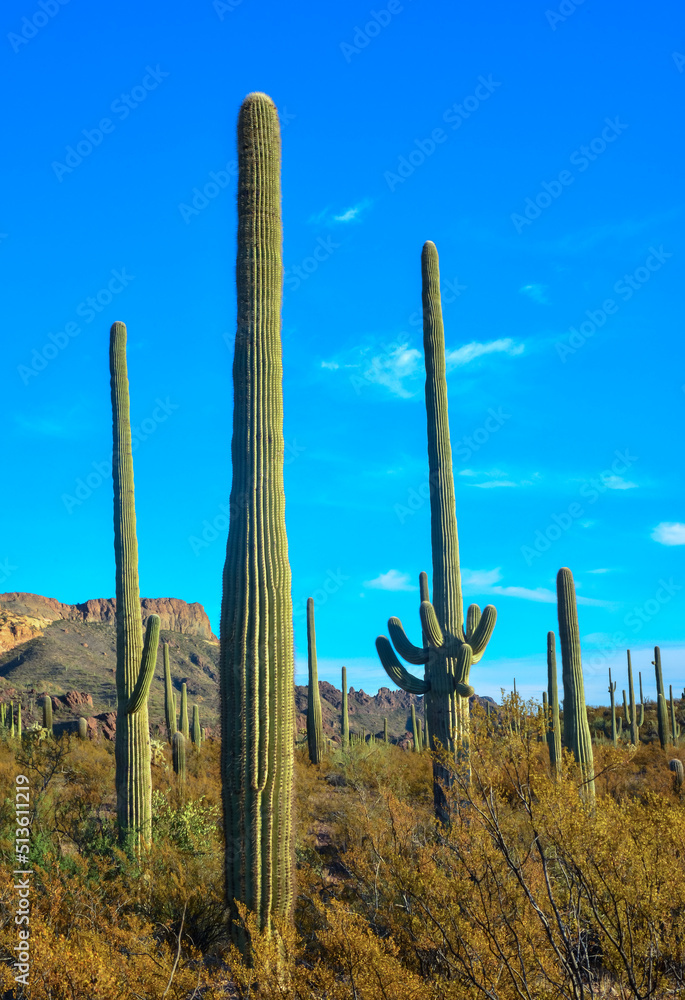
point(626, 710)
point(424, 594)
point(554, 733)
point(396, 672)
point(472, 618)
point(430, 624)
point(407, 650)
point(461, 678)
point(483, 632)
point(147, 666)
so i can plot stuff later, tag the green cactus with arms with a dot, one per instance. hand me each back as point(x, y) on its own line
point(315, 738)
point(136, 655)
point(450, 645)
point(256, 656)
point(577, 735)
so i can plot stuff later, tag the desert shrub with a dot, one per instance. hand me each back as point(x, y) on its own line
point(530, 893)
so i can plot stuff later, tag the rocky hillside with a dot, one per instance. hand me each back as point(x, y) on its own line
point(69, 652)
point(175, 615)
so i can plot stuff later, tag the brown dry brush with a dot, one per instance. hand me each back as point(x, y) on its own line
point(530, 893)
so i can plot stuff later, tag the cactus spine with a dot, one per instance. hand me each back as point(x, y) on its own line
point(315, 737)
point(675, 728)
point(136, 656)
point(450, 645)
point(82, 728)
point(185, 728)
point(631, 712)
point(178, 755)
point(257, 662)
point(196, 731)
point(576, 726)
point(345, 715)
point(47, 713)
point(553, 723)
point(661, 710)
point(169, 700)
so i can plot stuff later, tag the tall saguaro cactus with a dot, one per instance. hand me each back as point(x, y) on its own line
point(184, 725)
point(675, 728)
point(553, 723)
point(630, 708)
point(315, 738)
point(576, 726)
point(257, 668)
point(615, 730)
point(196, 728)
point(661, 709)
point(136, 656)
point(345, 711)
point(416, 730)
point(169, 700)
point(450, 645)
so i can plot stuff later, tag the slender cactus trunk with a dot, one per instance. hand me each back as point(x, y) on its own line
point(257, 668)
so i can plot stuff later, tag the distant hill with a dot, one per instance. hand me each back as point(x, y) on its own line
point(69, 652)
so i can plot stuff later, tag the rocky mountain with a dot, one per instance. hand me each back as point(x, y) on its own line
point(175, 615)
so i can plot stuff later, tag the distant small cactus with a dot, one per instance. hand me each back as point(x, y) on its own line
point(47, 713)
point(83, 728)
point(676, 766)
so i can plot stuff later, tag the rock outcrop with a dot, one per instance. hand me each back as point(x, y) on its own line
point(175, 615)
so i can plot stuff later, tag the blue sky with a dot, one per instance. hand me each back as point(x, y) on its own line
point(539, 147)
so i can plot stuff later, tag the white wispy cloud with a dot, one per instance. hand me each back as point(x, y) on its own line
point(669, 533)
point(392, 580)
point(599, 571)
point(479, 579)
point(392, 368)
point(495, 484)
point(618, 483)
point(486, 581)
point(469, 352)
point(350, 213)
point(328, 215)
point(331, 365)
point(535, 292)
